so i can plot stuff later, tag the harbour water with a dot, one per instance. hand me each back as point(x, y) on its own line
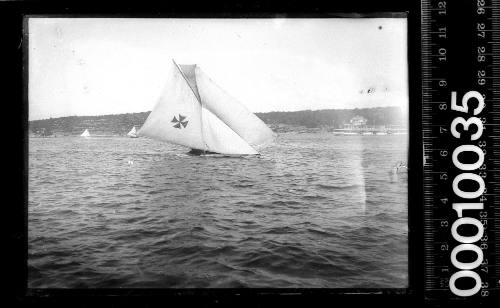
point(314, 210)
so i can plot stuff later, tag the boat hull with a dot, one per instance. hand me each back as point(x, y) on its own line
point(196, 152)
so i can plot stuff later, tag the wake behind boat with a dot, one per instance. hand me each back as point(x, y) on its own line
point(194, 112)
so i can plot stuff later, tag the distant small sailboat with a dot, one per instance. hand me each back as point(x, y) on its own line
point(194, 112)
point(85, 133)
point(132, 133)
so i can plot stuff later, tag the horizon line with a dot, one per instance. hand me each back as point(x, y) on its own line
point(115, 114)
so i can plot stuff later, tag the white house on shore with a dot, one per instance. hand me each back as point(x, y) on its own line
point(356, 123)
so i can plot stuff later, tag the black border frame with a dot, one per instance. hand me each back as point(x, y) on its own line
point(14, 24)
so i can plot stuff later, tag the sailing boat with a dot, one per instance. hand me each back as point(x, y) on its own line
point(85, 133)
point(195, 112)
point(132, 133)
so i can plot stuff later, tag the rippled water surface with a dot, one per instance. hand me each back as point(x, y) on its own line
point(315, 210)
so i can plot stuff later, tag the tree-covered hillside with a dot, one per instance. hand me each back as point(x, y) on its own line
point(120, 124)
point(335, 118)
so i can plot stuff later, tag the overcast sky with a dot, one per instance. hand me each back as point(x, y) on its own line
point(90, 66)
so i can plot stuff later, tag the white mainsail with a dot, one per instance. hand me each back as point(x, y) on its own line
point(85, 133)
point(177, 104)
point(222, 139)
point(196, 113)
point(242, 121)
point(132, 133)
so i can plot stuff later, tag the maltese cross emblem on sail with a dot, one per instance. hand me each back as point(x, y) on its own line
point(180, 123)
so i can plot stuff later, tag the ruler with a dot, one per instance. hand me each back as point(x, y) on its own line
point(460, 67)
